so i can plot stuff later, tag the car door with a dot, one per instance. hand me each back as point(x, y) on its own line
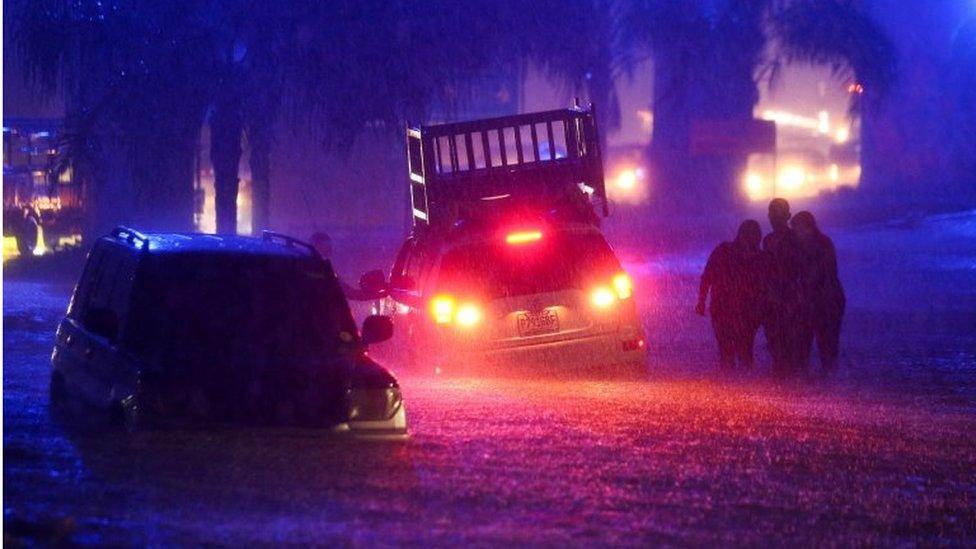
point(407, 278)
point(72, 344)
point(100, 357)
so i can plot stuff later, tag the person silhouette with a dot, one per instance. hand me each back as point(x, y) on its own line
point(782, 307)
point(322, 243)
point(821, 293)
point(733, 276)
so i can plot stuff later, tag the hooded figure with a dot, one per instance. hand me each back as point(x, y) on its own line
point(322, 243)
point(782, 314)
point(821, 293)
point(734, 275)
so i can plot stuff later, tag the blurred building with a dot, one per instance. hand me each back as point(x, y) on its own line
point(43, 203)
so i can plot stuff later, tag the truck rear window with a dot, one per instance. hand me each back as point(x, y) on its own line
point(555, 262)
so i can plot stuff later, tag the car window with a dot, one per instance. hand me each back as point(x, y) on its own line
point(122, 279)
point(101, 290)
point(239, 311)
point(416, 263)
point(407, 264)
point(93, 269)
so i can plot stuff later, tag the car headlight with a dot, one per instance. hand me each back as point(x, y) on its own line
point(374, 404)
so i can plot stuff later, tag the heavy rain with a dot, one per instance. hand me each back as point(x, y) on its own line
point(575, 272)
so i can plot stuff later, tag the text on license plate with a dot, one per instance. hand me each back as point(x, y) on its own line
point(541, 322)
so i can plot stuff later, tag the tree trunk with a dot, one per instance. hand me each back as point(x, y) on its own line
point(162, 174)
point(600, 90)
point(225, 156)
point(717, 87)
point(669, 151)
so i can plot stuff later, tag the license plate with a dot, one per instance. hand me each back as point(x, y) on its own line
point(542, 322)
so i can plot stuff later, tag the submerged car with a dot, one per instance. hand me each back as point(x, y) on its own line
point(168, 327)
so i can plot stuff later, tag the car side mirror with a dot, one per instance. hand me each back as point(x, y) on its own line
point(103, 322)
point(373, 284)
point(376, 329)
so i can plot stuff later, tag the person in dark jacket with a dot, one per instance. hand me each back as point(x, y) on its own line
point(322, 243)
point(782, 307)
point(821, 292)
point(733, 276)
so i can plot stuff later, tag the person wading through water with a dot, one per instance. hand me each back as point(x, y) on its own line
point(734, 277)
point(821, 293)
point(782, 308)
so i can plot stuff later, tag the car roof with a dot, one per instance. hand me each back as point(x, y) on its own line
point(200, 243)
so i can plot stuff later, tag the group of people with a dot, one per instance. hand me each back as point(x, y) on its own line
point(785, 282)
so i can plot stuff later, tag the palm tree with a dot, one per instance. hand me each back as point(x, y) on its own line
point(576, 43)
point(708, 64)
point(133, 104)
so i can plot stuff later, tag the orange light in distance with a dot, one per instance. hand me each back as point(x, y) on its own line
point(523, 237)
point(602, 297)
point(623, 285)
point(468, 315)
point(442, 309)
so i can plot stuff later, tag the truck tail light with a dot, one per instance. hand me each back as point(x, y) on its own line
point(602, 297)
point(623, 286)
point(442, 309)
point(468, 314)
point(445, 309)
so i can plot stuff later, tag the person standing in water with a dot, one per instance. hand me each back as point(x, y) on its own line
point(782, 313)
point(821, 292)
point(734, 278)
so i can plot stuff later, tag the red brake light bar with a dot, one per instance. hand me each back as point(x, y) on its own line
point(523, 237)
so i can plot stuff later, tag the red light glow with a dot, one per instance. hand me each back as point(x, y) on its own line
point(523, 237)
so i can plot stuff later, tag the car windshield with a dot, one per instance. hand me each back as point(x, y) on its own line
point(244, 310)
point(554, 262)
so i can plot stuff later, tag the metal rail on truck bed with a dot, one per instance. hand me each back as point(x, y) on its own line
point(538, 156)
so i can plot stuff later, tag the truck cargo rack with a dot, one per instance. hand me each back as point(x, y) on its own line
point(535, 157)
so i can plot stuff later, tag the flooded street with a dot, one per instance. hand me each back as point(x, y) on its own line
point(883, 454)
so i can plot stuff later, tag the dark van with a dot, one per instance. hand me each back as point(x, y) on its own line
point(228, 328)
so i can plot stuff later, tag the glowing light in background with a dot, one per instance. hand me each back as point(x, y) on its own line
point(626, 180)
point(754, 186)
point(823, 122)
point(628, 184)
point(790, 179)
point(783, 118)
point(798, 180)
point(10, 249)
point(40, 247)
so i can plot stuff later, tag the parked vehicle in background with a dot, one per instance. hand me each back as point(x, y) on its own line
point(166, 327)
point(43, 203)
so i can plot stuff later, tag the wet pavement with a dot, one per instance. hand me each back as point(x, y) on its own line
point(884, 454)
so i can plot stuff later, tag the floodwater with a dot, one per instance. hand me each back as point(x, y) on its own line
point(883, 454)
